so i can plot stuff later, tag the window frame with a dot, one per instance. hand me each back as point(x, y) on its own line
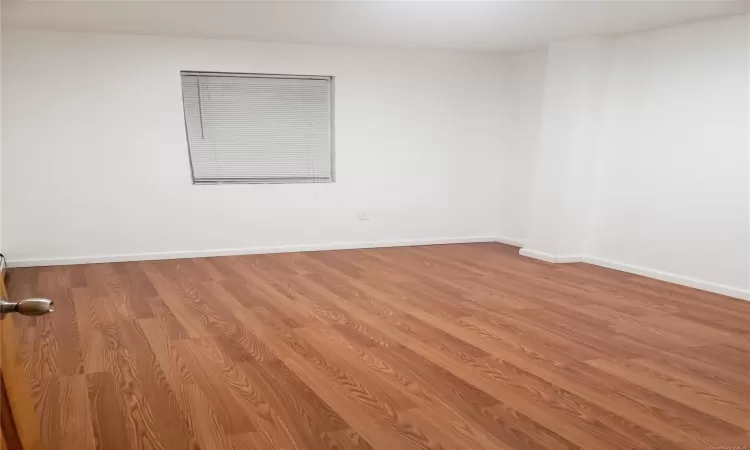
point(277, 180)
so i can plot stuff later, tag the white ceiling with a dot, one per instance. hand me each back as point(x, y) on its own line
point(467, 25)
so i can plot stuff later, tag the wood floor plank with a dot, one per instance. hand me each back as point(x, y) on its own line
point(384, 431)
point(267, 290)
point(97, 353)
point(256, 441)
point(38, 350)
point(193, 351)
point(522, 432)
point(570, 376)
point(690, 395)
point(722, 392)
point(46, 393)
point(64, 359)
point(370, 388)
point(724, 355)
point(454, 401)
point(647, 418)
point(139, 418)
point(159, 408)
point(463, 370)
point(107, 420)
point(466, 346)
point(689, 363)
point(173, 297)
point(136, 288)
point(193, 402)
point(167, 319)
point(110, 283)
point(387, 430)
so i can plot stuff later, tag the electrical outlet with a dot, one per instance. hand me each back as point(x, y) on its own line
point(363, 216)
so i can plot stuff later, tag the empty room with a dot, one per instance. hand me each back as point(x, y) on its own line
point(417, 224)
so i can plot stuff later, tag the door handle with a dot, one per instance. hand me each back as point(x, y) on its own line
point(28, 307)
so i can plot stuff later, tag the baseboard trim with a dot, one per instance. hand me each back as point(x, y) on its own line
point(570, 258)
point(550, 258)
point(508, 241)
point(743, 294)
point(58, 261)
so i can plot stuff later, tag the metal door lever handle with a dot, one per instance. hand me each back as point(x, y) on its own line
point(28, 307)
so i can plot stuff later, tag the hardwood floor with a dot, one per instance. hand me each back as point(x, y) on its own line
point(454, 346)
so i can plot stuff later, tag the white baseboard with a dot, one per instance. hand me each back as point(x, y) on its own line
point(58, 261)
point(550, 257)
point(537, 255)
point(743, 294)
point(638, 270)
point(509, 241)
point(570, 258)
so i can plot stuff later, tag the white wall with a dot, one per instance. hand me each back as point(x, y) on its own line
point(96, 165)
point(436, 146)
point(667, 185)
point(673, 192)
point(525, 85)
point(568, 135)
point(1, 152)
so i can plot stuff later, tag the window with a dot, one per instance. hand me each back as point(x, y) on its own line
point(253, 128)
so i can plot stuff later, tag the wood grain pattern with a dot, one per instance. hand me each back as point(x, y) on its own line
point(19, 428)
point(438, 347)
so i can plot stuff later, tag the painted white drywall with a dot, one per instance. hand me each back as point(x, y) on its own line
point(436, 146)
point(525, 85)
point(673, 194)
point(465, 25)
point(1, 148)
point(568, 135)
point(96, 165)
point(663, 189)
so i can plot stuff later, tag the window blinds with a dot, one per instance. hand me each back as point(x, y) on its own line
point(258, 128)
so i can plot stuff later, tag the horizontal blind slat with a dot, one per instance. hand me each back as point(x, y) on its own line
point(258, 128)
